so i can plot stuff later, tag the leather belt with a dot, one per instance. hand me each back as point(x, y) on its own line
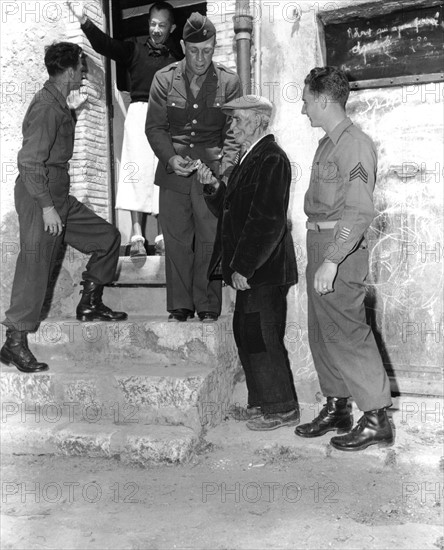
point(318, 226)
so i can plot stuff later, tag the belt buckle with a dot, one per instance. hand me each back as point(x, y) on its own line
point(317, 227)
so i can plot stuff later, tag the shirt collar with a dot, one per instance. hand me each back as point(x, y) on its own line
point(54, 91)
point(338, 130)
point(251, 147)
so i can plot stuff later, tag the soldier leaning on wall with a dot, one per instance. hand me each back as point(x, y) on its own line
point(50, 217)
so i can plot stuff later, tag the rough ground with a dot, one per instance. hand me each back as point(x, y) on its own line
point(237, 493)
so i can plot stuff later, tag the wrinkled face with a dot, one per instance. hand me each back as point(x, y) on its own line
point(199, 56)
point(160, 26)
point(243, 126)
point(312, 107)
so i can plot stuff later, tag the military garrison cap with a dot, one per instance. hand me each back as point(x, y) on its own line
point(198, 28)
point(251, 102)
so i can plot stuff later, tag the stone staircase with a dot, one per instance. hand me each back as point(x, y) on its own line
point(144, 390)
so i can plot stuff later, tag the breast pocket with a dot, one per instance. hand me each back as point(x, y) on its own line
point(213, 114)
point(328, 184)
point(176, 109)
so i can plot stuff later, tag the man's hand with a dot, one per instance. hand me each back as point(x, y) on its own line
point(239, 281)
point(206, 176)
point(78, 10)
point(77, 98)
point(52, 221)
point(182, 166)
point(324, 277)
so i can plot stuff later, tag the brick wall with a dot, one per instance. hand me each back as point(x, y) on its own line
point(90, 179)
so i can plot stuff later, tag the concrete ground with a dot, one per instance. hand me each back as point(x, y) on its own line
point(241, 490)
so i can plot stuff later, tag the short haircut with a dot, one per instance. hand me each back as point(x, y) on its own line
point(330, 81)
point(162, 6)
point(60, 56)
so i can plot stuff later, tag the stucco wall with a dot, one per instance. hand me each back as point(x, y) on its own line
point(406, 237)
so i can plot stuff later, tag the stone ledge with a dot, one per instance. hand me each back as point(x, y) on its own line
point(143, 445)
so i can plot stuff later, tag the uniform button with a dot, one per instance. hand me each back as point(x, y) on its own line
point(194, 121)
point(191, 145)
point(218, 104)
point(193, 133)
point(173, 104)
point(195, 105)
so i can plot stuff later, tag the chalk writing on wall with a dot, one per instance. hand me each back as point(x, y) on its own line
point(401, 43)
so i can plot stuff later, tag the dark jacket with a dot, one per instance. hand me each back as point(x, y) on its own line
point(140, 60)
point(179, 124)
point(253, 237)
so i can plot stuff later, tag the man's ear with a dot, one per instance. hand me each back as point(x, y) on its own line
point(182, 43)
point(323, 100)
point(173, 28)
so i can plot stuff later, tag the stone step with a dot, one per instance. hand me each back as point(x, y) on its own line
point(139, 299)
point(145, 389)
point(138, 444)
point(180, 393)
point(149, 339)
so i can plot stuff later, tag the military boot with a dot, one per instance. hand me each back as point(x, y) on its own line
point(91, 307)
point(334, 415)
point(15, 350)
point(373, 428)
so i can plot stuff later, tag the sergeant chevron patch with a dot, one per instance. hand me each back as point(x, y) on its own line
point(359, 172)
point(344, 234)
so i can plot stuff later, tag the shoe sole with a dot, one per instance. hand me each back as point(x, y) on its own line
point(86, 319)
point(269, 429)
point(380, 444)
point(8, 362)
point(320, 434)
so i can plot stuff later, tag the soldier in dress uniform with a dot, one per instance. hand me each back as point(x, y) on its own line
point(339, 206)
point(185, 125)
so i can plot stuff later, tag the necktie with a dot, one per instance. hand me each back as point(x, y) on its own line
point(194, 86)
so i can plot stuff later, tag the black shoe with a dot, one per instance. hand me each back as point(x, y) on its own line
point(15, 350)
point(272, 421)
point(373, 428)
point(180, 315)
point(244, 413)
point(334, 415)
point(91, 307)
point(208, 316)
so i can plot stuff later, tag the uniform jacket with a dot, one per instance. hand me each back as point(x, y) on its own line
point(48, 141)
point(253, 237)
point(341, 187)
point(180, 124)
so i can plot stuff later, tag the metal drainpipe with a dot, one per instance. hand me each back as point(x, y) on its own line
point(243, 27)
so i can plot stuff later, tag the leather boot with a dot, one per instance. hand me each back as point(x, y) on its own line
point(334, 415)
point(91, 307)
point(373, 428)
point(15, 350)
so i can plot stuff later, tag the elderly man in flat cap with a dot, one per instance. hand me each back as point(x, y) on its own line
point(255, 248)
point(185, 125)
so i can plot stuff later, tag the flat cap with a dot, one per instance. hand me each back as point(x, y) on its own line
point(198, 28)
point(249, 102)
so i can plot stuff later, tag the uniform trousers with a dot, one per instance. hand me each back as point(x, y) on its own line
point(259, 329)
point(342, 344)
point(189, 231)
point(84, 230)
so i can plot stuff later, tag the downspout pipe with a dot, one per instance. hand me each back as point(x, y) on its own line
point(243, 28)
